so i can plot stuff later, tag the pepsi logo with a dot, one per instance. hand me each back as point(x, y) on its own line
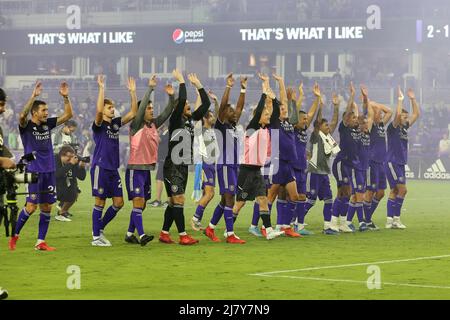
point(178, 36)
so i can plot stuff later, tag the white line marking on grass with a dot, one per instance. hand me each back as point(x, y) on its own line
point(351, 265)
point(355, 281)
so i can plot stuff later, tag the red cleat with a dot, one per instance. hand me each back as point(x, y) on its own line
point(263, 232)
point(44, 247)
point(12, 243)
point(234, 239)
point(289, 232)
point(165, 238)
point(187, 240)
point(209, 232)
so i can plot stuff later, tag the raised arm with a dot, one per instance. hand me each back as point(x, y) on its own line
point(68, 111)
point(100, 100)
point(335, 119)
point(216, 102)
point(349, 109)
point(131, 86)
point(138, 121)
point(367, 107)
point(26, 109)
point(182, 97)
point(254, 122)
point(225, 97)
point(415, 107)
point(301, 96)
point(201, 111)
point(283, 95)
point(315, 105)
point(386, 110)
point(165, 114)
point(241, 100)
point(292, 110)
point(398, 113)
point(319, 116)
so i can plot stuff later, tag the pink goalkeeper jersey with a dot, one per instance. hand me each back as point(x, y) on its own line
point(144, 147)
point(257, 149)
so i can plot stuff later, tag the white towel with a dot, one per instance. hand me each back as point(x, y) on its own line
point(330, 145)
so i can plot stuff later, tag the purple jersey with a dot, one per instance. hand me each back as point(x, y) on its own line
point(397, 144)
point(378, 143)
point(229, 142)
point(287, 142)
point(364, 151)
point(349, 144)
point(106, 138)
point(301, 139)
point(38, 138)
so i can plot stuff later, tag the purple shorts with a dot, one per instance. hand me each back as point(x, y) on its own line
point(376, 176)
point(105, 183)
point(285, 173)
point(138, 183)
point(209, 174)
point(359, 182)
point(342, 173)
point(227, 176)
point(318, 185)
point(46, 183)
point(395, 174)
point(300, 179)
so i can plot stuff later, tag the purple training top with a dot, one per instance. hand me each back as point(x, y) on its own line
point(397, 144)
point(106, 138)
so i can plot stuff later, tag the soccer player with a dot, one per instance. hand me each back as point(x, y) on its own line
point(208, 148)
point(397, 158)
point(105, 178)
point(344, 162)
point(181, 127)
point(227, 163)
point(377, 175)
point(322, 148)
point(360, 168)
point(144, 142)
point(36, 137)
point(257, 151)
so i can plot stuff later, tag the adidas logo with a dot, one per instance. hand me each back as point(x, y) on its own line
point(408, 173)
point(437, 171)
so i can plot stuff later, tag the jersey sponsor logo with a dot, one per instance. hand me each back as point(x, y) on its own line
point(437, 171)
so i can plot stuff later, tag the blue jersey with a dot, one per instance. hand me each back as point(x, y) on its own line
point(106, 138)
point(301, 139)
point(228, 146)
point(349, 144)
point(397, 144)
point(378, 143)
point(38, 138)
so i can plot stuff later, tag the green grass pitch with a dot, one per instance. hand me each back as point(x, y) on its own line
point(222, 271)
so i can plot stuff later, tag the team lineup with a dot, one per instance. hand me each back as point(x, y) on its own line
point(284, 156)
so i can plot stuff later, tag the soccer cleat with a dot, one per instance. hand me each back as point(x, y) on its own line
point(187, 240)
point(102, 236)
point(234, 239)
point(389, 223)
point(255, 231)
point(131, 239)
point(146, 239)
point(263, 232)
point(273, 234)
point(165, 204)
point(99, 242)
point(209, 232)
point(3, 294)
point(155, 203)
point(165, 238)
point(44, 247)
point(12, 242)
point(196, 225)
point(372, 227)
point(330, 232)
point(289, 232)
point(304, 232)
point(345, 228)
point(62, 217)
point(363, 227)
point(397, 224)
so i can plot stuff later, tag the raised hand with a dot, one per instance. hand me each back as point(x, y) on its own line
point(316, 90)
point(169, 89)
point(230, 80)
point(336, 99)
point(401, 97)
point(364, 91)
point(37, 89)
point(212, 95)
point(152, 82)
point(194, 80)
point(263, 77)
point(411, 94)
point(64, 89)
point(277, 77)
point(300, 90)
point(289, 93)
point(352, 89)
point(101, 81)
point(243, 82)
point(131, 84)
point(178, 75)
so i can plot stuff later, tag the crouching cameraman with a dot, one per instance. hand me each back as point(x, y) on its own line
point(69, 169)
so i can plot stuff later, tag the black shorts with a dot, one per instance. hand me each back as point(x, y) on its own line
point(175, 178)
point(66, 195)
point(160, 171)
point(251, 184)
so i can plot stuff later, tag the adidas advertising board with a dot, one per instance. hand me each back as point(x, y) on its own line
point(437, 171)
